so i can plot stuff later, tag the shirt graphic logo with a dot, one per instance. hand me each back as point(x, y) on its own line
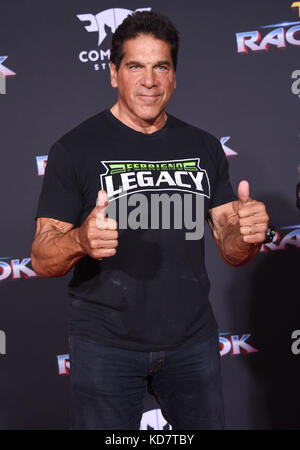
point(126, 177)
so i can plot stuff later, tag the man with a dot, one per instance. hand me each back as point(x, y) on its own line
point(140, 310)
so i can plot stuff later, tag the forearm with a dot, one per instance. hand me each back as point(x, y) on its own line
point(54, 253)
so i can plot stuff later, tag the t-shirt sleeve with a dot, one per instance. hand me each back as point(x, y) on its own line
point(222, 191)
point(60, 197)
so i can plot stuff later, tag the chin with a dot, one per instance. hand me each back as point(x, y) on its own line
point(148, 113)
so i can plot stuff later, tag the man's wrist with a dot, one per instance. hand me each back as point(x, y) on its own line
point(78, 248)
point(270, 234)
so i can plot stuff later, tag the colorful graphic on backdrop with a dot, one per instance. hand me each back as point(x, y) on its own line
point(41, 162)
point(284, 240)
point(15, 269)
point(281, 35)
point(4, 73)
point(228, 151)
point(101, 23)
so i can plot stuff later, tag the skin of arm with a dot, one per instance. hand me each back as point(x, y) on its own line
point(239, 228)
point(57, 245)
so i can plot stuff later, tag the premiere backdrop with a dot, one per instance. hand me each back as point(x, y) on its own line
point(238, 78)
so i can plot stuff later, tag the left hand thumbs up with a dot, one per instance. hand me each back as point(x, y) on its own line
point(243, 193)
point(253, 217)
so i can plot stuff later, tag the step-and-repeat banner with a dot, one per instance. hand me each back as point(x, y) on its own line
point(238, 77)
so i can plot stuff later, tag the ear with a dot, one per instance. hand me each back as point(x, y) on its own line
point(113, 75)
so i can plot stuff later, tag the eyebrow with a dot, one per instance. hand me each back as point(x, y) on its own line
point(159, 63)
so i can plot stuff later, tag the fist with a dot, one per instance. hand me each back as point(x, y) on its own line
point(253, 217)
point(98, 235)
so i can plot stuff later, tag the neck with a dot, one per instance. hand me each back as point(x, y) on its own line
point(144, 126)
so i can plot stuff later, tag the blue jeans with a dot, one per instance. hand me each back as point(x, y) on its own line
point(108, 385)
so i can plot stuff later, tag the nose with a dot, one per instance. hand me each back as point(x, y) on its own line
point(149, 79)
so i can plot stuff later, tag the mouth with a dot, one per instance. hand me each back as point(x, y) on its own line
point(149, 97)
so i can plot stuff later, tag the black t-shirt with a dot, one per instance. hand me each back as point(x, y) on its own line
point(153, 294)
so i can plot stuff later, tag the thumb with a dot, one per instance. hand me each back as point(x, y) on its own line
point(243, 193)
point(101, 205)
point(102, 199)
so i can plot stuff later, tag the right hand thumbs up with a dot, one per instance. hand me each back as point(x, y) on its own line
point(101, 206)
point(98, 234)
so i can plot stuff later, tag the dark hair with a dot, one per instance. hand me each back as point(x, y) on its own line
point(144, 22)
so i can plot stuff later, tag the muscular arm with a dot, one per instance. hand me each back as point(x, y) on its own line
point(55, 248)
point(57, 245)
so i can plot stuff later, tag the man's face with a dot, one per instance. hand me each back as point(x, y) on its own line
point(146, 77)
